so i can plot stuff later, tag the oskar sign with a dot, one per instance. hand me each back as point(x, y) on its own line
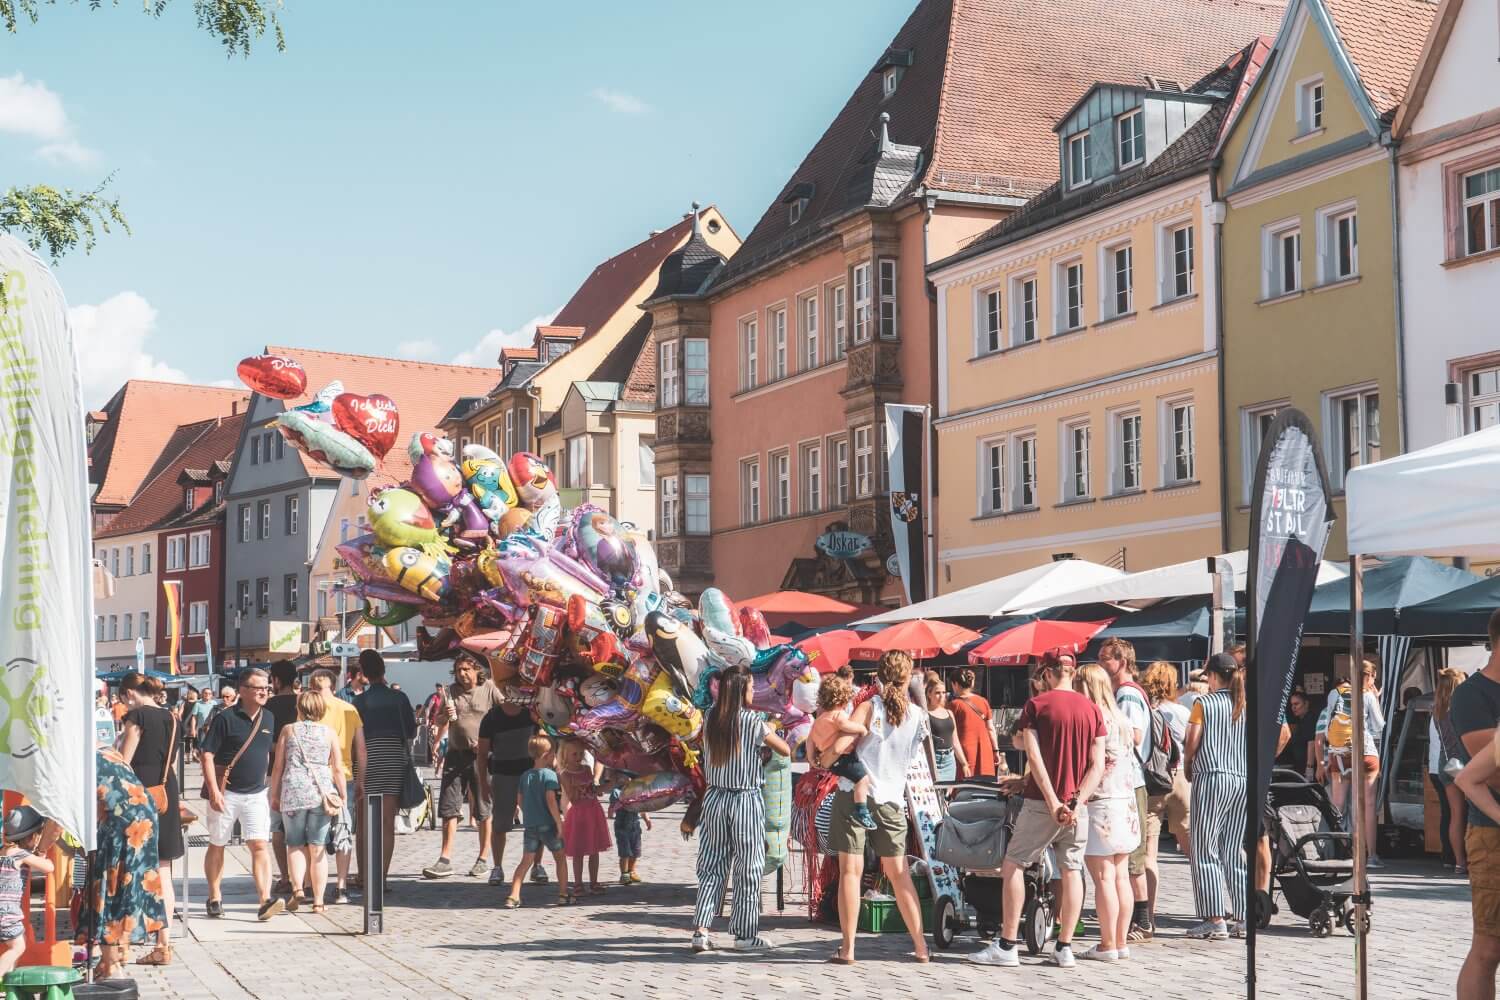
point(838, 543)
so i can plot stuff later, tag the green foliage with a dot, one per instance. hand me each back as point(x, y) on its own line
point(58, 221)
point(235, 23)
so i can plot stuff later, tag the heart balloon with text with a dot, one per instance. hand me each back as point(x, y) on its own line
point(371, 420)
point(273, 375)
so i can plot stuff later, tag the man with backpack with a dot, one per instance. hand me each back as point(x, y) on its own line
point(1117, 657)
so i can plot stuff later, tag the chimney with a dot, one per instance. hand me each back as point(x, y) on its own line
point(885, 132)
point(695, 220)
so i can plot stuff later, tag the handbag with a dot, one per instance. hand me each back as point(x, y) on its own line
point(413, 791)
point(333, 802)
point(223, 778)
point(158, 793)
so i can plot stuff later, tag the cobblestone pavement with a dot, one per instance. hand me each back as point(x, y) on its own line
point(451, 938)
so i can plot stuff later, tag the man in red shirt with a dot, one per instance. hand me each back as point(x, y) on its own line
point(1063, 734)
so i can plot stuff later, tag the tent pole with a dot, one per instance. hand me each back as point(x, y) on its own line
point(1357, 773)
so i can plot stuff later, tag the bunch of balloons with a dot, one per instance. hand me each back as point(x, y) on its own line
point(568, 608)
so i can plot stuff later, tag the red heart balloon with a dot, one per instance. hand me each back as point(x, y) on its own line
point(274, 376)
point(371, 420)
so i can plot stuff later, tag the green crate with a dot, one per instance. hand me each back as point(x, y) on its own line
point(880, 916)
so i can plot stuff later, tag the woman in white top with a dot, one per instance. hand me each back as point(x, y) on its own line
point(1114, 828)
point(897, 734)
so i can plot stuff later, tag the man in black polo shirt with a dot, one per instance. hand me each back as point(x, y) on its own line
point(240, 739)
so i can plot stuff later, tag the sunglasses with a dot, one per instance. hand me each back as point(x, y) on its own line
point(255, 687)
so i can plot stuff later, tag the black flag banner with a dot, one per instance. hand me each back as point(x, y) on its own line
point(905, 444)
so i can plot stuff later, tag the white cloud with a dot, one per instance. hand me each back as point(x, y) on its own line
point(111, 338)
point(486, 353)
point(418, 350)
point(31, 109)
point(70, 152)
point(621, 102)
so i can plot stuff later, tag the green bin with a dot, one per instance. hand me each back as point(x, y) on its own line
point(41, 982)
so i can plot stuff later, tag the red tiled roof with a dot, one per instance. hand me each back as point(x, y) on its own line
point(141, 419)
point(1384, 40)
point(193, 446)
point(423, 392)
point(560, 332)
point(1255, 54)
point(608, 289)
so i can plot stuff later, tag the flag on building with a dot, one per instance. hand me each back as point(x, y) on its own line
point(173, 589)
point(906, 449)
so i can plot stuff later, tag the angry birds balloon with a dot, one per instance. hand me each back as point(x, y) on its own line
point(533, 480)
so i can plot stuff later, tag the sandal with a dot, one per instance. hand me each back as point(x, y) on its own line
point(159, 956)
point(921, 959)
point(514, 902)
point(318, 907)
point(596, 889)
point(838, 959)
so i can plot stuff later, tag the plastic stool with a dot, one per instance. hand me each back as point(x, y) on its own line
point(41, 982)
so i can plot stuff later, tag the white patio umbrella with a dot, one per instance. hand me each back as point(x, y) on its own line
point(1028, 590)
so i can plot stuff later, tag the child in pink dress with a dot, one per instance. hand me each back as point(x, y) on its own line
point(585, 830)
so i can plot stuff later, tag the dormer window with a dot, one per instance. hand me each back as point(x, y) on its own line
point(554, 349)
point(796, 200)
point(889, 80)
point(1130, 133)
point(219, 492)
point(794, 211)
point(187, 498)
point(1080, 152)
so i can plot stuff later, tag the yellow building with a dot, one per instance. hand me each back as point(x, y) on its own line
point(1311, 302)
point(1078, 371)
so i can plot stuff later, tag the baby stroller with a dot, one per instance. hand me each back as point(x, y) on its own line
point(972, 838)
point(1311, 857)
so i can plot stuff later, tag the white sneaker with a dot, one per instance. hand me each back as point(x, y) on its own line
point(1062, 956)
point(1209, 930)
point(1237, 929)
point(1122, 954)
point(702, 943)
point(994, 954)
point(1098, 954)
point(755, 944)
point(497, 875)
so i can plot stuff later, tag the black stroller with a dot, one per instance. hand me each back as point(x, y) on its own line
point(1312, 860)
point(972, 838)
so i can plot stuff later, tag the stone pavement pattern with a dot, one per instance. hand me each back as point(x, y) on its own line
point(451, 938)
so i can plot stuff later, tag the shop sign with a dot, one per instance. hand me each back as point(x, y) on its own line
point(838, 544)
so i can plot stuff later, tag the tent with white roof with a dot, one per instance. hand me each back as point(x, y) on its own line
point(1028, 590)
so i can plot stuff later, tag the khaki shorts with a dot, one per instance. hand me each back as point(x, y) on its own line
point(847, 836)
point(1036, 830)
point(1171, 811)
point(1483, 843)
point(1138, 856)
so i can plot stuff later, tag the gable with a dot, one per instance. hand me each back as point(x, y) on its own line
point(1465, 75)
point(1273, 127)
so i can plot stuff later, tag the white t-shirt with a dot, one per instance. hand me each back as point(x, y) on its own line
point(887, 751)
point(1177, 719)
point(1133, 706)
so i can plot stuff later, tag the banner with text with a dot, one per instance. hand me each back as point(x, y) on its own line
point(46, 565)
point(905, 448)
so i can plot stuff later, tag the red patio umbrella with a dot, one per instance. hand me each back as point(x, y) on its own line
point(828, 651)
point(1035, 638)
point(796, 602)
point(921, 637)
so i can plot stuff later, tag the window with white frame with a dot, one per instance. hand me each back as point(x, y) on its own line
point(1080, 153)
point(1130, 131)
point(145, 558)
point(889, 79)
point(795, 210)
point(1075, 449)
point(176, 553)
point(1178, 270)
point(781, 484)
point(749, 354)
point(145, 624)
point(1481, 208)
point(128, 631)
point(1070, 296)
point(187, 498)
point(197, 617)
point(99, 629)
point(1255, 425)
point(1120, 299)
point(839, 484)
point(750, 491)
point(864, 456)
point(114, 627)
point(343, 529)
point(1125, 458)
point(777, 322)
point(695, 371)
point(1482, 407)
point(130, 560)
point(1310, 99)
point(510, 432)
point(992, 477)
point(263, 595)
point(810, 463)
point(669, 378)
point(667, 494)
point(219, 491)
point(696, 507)
point(861, 278)
point(265, 519)
point(888, 299)
point(293, 514)
point(578, 457)
point(1354, 431)
point(523, 428)
point(837, 306)
point(255, 450)
point(1024, 449)
point(114, 562)
point(242, 595)
point(1023, 325)
point(1282, 260)
point(989, 321)
point(1339, 239)
point(807, 312)
point(280, 443)
point(1180, 451)
point(289, 592)
point(645, 461)
point(198, 554)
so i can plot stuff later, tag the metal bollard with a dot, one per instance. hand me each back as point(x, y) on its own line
point(373, 831)
point(187, 850)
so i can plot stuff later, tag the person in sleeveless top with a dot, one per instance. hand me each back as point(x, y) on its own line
point(971, 720)
point(732, 826)
point(148, 744)
point(1215, 754)
point(307, 758)
point(947, 752)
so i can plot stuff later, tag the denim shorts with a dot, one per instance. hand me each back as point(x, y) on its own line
point(534, 838)
point(306, 827)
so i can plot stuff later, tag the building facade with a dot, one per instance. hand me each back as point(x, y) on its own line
point(1078, 373)
point(1311, 306)
point(191, 543)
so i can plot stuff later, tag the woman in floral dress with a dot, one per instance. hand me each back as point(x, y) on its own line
point(1114, 828)
point(122, 903)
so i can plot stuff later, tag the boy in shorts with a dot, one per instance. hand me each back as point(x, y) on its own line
point(834, 697)
point(541, 819)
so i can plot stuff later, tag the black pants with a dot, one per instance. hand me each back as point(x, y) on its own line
point(1446, 812)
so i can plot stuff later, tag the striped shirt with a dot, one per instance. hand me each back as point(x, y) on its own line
point(741, 772)
point(1221, 748)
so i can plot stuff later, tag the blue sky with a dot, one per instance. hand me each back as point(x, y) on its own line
point(406, 178)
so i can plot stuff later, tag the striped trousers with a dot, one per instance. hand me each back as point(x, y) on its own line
point(732, 829)
point(1218, 836)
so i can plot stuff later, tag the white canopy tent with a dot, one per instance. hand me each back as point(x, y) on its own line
point(1440, 501)
point(1184, 579)
point(1027, 590)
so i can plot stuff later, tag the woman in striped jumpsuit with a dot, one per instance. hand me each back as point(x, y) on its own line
point(1215, 750)
point(733, 823)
